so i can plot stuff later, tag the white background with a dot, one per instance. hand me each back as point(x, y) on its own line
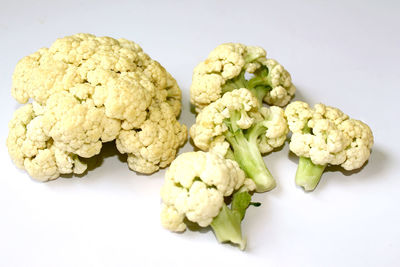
point(343, 53)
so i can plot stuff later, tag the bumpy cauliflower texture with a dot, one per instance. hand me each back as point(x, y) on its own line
point(224, 70)
point(195, 186)
point(87, 90)
point(236, 126)
point(33, 150)
point(208, 131)
point(328, 136)
point(155, 144)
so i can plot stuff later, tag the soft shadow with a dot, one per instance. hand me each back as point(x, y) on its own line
point(195, 148)
point(108, 150)
point(193, 109)
point(338, 168)
point(194, 227)
point(293, 157)
point(375, 166)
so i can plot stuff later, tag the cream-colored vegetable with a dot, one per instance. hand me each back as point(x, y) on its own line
point(224, 70)
point(195, 186)
point(335, 138)
point(326, 136)
point(235, 125)
point(87, 90)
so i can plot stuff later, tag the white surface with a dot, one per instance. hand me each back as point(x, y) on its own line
point(344, 54)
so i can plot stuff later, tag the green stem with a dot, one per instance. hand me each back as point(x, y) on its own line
point(250, 160)
point(235, 83)
point(259, 85)
point(308, 174)
point(260, 92)
point(227, 227)
point(227, 224)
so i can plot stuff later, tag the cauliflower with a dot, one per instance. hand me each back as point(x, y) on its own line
point(238, 128)
point(33, 150)
point(325, 136)
point(155, 144)
point(225, 68)
point(87, 90)
point(196, 185)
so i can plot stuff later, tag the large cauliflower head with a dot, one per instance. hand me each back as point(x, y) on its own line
point(328, 136)
point(86, 90)
point(240, 107)
point(225, 68)
point(195, 186)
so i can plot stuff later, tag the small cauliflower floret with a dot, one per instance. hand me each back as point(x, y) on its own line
point(31, 149)
point(89, 90)
point(236, 127)
point(325, 136)
point(195, 188)
point(171, 219)
point(154, 143)
point(225, 68)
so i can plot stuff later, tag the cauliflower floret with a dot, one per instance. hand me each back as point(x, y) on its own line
point(195, 186)
point(153, 144)
point(235, 124)
point(275, 122)
point(362, 140)
point(31, 149)
point(171, 219)
point(88, 90)
point(328, 136)
point(224, 71)
point(198, 187)
point(281, 83)
point(210, 122)
point(325, 135)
